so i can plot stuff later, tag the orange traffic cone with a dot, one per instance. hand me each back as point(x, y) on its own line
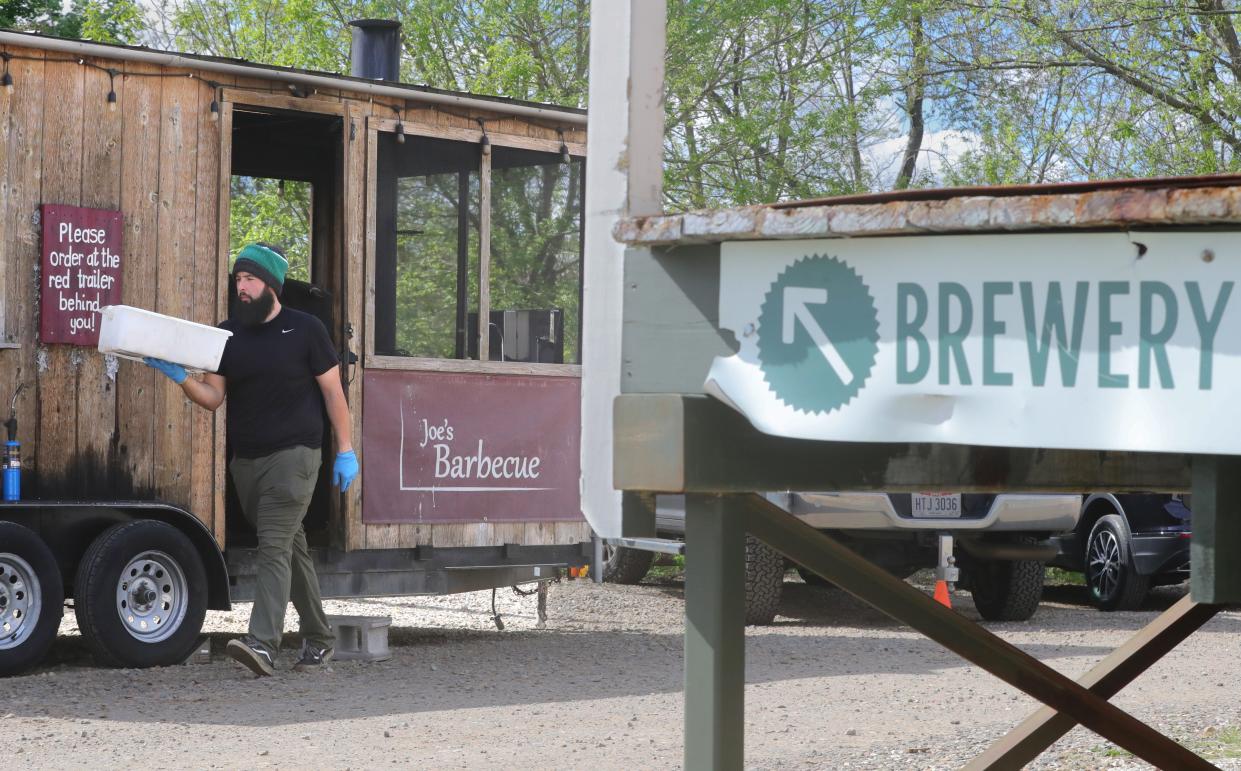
point(941, 594)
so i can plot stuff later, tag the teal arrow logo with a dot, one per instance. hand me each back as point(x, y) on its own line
point(818, 334)
point(796, 298)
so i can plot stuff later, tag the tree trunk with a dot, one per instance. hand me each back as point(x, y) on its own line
point(913, 107)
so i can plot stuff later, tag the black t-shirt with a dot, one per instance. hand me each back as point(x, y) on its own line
point(274, 401)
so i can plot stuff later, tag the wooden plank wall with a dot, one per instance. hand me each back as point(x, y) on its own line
point(23, 134)
point(105, 429)
point(94, 427)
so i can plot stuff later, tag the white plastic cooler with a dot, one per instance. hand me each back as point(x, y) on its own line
point(133, 333)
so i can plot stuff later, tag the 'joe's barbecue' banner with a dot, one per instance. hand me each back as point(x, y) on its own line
point(1109, 341)
point(459, 448)
point(80, 273)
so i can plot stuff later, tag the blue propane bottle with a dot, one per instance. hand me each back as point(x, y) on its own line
point(12, 465)
point(11, 460)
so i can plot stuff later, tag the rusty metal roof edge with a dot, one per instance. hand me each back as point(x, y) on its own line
point(1140, 203)
point(1002, 191)
point(572, 115)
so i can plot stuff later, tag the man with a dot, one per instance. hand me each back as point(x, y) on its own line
point(274, 369)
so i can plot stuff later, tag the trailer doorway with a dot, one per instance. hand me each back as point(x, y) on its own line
point(286, 188)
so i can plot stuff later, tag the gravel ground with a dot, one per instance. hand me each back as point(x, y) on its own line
point(832, 684)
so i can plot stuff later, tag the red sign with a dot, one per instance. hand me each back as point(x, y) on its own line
point(81, 272)
point(469, 448)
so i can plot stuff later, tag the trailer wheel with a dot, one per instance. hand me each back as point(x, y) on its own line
point(622, 565)
point(1007, 591)
point(764, 581)
point(141, 595)
point(32, 598)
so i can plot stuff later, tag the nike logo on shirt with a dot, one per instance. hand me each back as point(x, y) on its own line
point(285, 331)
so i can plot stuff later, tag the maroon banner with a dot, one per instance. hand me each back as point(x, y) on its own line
point(460, 448)
point(81, 272)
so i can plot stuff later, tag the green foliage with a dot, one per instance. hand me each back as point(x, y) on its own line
point(769, 99)
point(309, 34)
point(272, 212)
point(47, 17)
point(535, 241)
point(1062, 577)
point(112, 21)
point(105, 21)
point(524, 49)
point(426, 270)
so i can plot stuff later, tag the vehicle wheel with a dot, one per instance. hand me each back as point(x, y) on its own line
point(1007, 591)
point(1113, 580)
point(622, 565)
point(813, 579)
point(141, 595)
point(32, 598)
point(764, 581)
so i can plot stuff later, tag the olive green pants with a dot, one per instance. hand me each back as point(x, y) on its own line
point(275, 491)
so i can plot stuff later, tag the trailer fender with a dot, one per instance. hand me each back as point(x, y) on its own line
point(69, 527)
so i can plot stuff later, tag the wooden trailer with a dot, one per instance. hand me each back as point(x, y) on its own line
point(430, 211)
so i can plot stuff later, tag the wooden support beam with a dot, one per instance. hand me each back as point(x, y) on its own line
point(823, 555)
point(1215, 575)
point(714, 633)
point(1042, 728)
point(637, 515)
point(675, 443)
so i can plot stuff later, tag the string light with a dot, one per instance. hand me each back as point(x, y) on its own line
point(8, 82)
point(484, 141)
point(215, 104)
point(112, 90)
point(400, 125)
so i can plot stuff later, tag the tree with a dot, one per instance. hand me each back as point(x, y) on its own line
point(770, 99)
point(112, 21)
point(274, 212)
point(105, 21)
point(46, 17)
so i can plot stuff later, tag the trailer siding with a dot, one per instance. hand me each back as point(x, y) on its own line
point(97, 429)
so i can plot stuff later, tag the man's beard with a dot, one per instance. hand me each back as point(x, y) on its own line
point(255, 312)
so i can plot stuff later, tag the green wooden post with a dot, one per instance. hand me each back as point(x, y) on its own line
point(714, 633)
point(1215, 549)
point(637, 514)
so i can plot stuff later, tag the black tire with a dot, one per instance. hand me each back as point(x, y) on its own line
point(813, 579)
point(32, 598)
point(1007, 591)
point(149, 553)
point(1111, 576)
point(622, 565)
point(764, 581)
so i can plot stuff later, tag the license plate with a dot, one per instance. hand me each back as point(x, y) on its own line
point(936, 505)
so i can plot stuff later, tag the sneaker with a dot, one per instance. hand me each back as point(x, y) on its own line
point(251, 654)
point(313, 657)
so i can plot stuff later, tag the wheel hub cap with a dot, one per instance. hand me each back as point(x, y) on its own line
point(20, 600)
point(151, 597)
point(1103, 569)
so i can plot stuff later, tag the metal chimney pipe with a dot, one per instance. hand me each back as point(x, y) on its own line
point(376, 50)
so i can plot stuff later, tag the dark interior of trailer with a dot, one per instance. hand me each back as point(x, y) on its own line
point(303, 153)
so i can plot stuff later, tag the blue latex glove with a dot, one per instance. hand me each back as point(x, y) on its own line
point(345, 469)
point(175, 372)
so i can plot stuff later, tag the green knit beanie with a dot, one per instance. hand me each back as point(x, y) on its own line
point(265, 262)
